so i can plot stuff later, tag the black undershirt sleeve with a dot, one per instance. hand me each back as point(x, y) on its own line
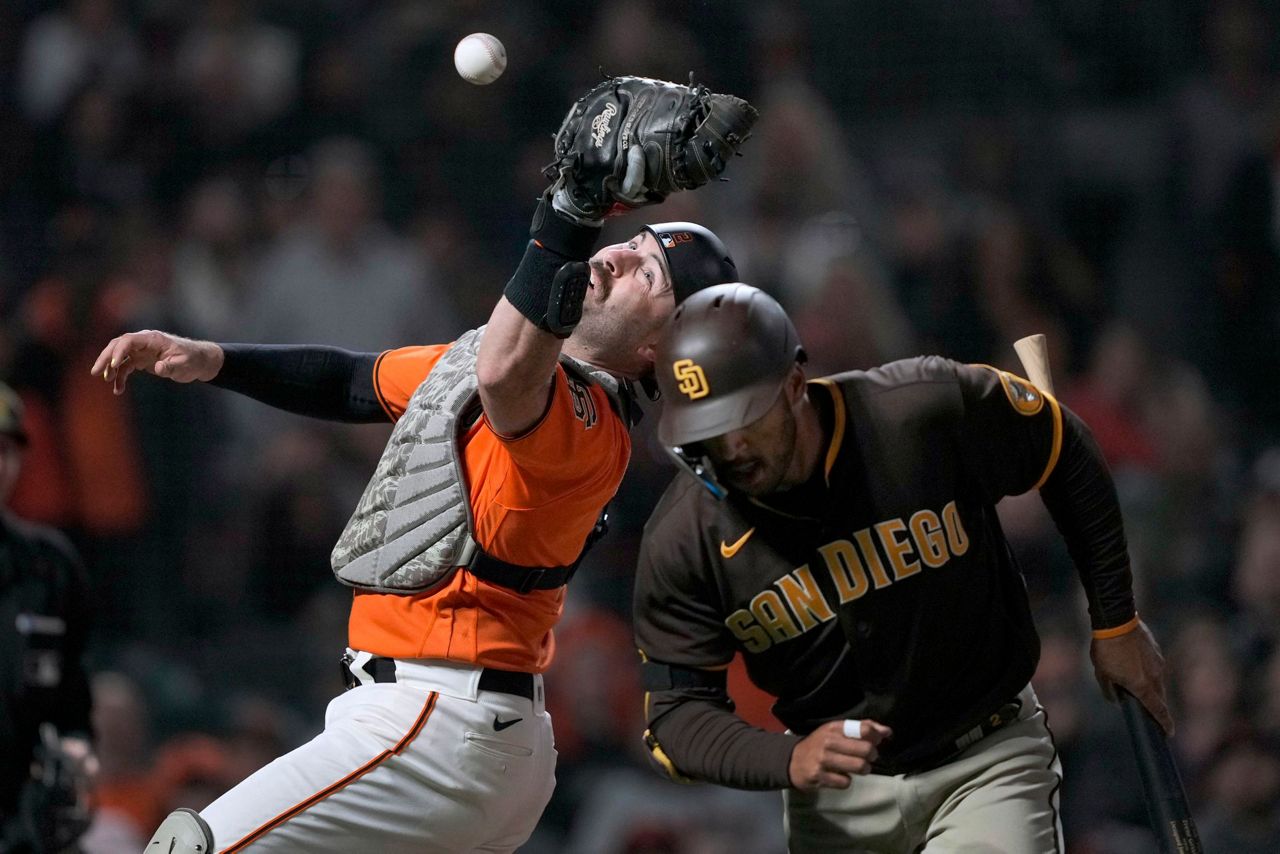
point(704, 739)
point(1081, 497)
point(321, 382)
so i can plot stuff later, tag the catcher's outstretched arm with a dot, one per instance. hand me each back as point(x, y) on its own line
point(321, 382)
point(514, 370)
point(539, 308)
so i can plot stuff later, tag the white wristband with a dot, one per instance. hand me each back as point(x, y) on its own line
point(853, 728)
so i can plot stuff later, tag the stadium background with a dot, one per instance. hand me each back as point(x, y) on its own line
point(925, 177)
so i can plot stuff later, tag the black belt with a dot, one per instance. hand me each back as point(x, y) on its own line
point(1006, 714)
point(491, 679)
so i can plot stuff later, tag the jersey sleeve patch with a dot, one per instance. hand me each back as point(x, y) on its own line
point(1025, 398)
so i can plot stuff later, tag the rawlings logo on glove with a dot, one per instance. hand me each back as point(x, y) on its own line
point(670, 137)
point(600, 125)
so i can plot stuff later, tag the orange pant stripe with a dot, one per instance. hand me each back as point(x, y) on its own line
point(350, 778)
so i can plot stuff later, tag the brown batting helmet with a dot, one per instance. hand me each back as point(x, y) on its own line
point(722, 361)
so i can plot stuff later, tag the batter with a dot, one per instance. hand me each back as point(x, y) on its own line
point(841, 534)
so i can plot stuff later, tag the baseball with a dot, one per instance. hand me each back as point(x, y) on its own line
point(480, 58)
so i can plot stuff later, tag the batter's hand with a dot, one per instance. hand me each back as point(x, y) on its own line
point(1133, 661)
point(827, 758)
point(179, 359)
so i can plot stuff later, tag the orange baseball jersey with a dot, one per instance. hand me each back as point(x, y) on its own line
point(534, 498)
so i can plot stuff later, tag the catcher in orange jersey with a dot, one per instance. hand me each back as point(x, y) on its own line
point(508, 444)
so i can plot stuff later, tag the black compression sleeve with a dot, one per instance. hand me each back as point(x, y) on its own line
point(706, 741)
point(1081, 497)
point(322, 382)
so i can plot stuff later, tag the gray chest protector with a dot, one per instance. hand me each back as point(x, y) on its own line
point(413, 525)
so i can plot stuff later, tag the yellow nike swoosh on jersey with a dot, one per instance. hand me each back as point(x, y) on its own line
point(728, 551)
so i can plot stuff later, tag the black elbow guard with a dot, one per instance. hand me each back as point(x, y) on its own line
point(657, 676)
point(548, 291)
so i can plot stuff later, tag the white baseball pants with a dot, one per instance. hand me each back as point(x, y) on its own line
point(429, 763)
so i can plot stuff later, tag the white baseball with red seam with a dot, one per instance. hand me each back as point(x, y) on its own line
point(480, 58)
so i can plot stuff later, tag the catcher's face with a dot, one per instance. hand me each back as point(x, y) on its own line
point(628, 303)
point(635, 267)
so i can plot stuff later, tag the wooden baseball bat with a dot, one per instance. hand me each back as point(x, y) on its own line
point(1166, 800)
point(1167, 806)
point(1033, 352)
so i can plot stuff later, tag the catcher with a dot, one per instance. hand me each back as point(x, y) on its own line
point(508, 444)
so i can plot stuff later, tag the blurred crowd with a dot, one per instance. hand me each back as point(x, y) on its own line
point(924, 178)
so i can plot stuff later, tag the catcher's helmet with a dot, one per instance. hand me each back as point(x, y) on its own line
point(695, 257)
point(722, 361)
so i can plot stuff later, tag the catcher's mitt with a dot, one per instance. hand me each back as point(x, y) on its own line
point(632, 141)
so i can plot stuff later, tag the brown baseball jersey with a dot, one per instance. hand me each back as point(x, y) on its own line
point(884, 587)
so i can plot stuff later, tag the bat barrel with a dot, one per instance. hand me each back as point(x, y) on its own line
point(1166, 801)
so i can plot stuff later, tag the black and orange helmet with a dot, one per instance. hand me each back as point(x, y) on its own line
point(694, 255)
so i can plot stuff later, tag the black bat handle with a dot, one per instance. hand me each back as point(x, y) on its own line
point(1166, 801)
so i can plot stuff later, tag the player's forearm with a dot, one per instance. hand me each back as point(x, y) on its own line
point(520, 345)
point(514, 369)
point(1081, 497)
point(707, 741)
point(320, 382)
